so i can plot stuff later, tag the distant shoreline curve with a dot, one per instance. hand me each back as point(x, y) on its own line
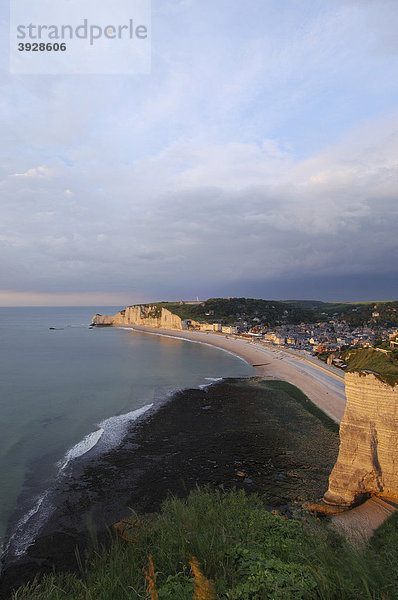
point(322, 386)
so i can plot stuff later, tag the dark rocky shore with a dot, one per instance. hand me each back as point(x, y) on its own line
point(236, 433)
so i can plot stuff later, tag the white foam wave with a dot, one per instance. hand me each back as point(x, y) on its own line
point(115, 428)
point(110, 432)
point(82, 447)
point(213, 380)
point(23, 532)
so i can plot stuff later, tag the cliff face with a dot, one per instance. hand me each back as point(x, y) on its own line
point(151, 316)
point(368, 457)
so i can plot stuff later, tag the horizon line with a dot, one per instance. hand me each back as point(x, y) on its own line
point(178, 302)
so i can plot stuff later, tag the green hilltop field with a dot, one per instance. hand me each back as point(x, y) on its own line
point(273, 312)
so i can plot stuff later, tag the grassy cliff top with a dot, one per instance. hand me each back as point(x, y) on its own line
point(232, 310)
point(274, 312)
point(385, 366)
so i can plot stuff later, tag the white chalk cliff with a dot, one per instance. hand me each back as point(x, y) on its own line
point(367, 463)
point(142, 314)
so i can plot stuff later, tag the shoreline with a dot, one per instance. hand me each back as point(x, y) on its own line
point(323, 386)
point(91, 479)
point(234, 433)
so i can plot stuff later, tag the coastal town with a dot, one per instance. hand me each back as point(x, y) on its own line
point(333, 334)
point(325, 330)
point(325, 337)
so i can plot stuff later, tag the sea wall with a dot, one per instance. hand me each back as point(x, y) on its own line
point(368, 457)
point(151, 316)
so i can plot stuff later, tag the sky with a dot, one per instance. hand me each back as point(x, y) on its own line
point(258, 158)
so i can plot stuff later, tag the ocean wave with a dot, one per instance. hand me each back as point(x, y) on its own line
point(23, 534)
point(212, 381)
point(81, 448)
point(110, 433)
point(115, 427)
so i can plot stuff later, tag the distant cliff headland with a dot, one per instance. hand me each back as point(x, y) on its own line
point(248, 313)
point(210, 315)
point(149, 315)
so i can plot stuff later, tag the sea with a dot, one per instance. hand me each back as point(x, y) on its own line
point(67, 390)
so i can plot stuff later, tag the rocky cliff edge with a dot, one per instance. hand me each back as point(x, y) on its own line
point(367, 463)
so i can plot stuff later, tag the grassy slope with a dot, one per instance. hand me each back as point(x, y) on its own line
point(386, 366)
point(247, 552)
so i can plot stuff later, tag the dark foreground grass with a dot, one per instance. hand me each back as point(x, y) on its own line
point(247, 552)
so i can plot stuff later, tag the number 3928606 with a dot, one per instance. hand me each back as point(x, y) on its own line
point(41, 47)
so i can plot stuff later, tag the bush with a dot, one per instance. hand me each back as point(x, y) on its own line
point(247, 552)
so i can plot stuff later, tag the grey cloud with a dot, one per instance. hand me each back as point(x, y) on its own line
point(212, 233)
point(173, 187)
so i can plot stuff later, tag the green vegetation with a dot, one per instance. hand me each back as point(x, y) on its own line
point(385, 365)
point(272, 312)
point(307, 304)
point(393, 352)
point(362, 313)
point(155, 312)
point(233, 310)
point(295, 393)
point(247, 552)
point(355, 314)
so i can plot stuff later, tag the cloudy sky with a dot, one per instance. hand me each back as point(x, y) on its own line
point(259, 158)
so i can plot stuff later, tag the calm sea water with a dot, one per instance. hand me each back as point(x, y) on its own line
point(74, 390)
